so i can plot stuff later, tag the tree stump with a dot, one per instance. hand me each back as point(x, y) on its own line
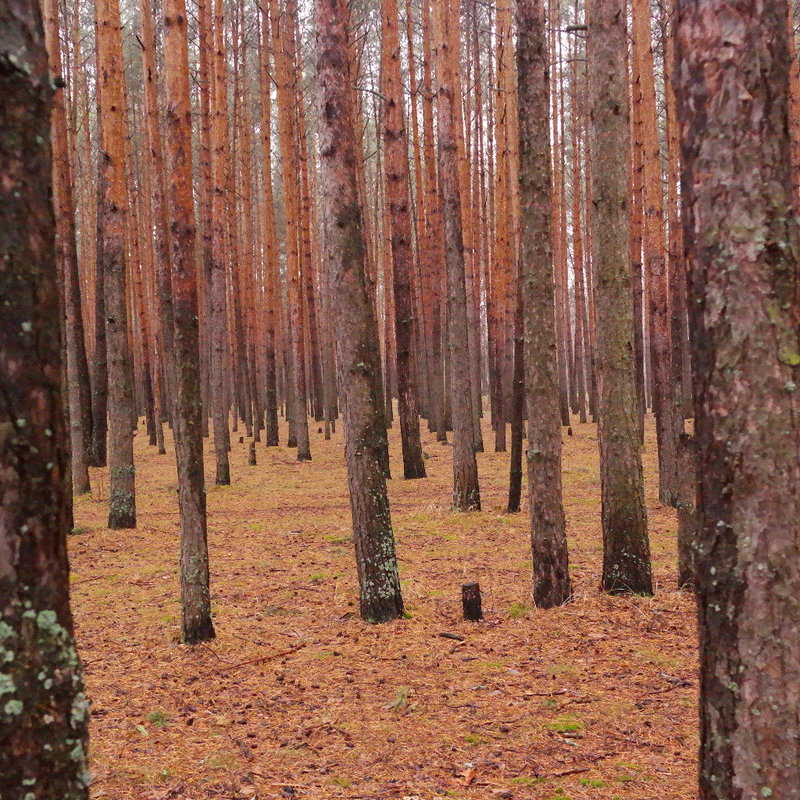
point(471, 600)
point(251, 458)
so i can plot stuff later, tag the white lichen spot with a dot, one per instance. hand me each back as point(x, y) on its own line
point(6, 684)
point(79, 711)
point(27, 326)
point(13, 708)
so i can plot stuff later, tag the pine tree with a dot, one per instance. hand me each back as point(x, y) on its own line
point(551, 586)
point(44, 713)
point(112, 216)
point(466, 492)
point(196, 602)
point(357, 352)
point(626, 550)
point(399, 213)
point(742, 237)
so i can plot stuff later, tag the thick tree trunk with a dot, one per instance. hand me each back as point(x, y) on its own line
point(195, 598)
point(551, 582)
point(466, 492)
point(626, 550)
point(44, 713)
point(742, 240)
point(399, 213)
point(357, 353)
point(112, 218)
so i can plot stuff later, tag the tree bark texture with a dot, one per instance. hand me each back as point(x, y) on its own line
point(742, 242)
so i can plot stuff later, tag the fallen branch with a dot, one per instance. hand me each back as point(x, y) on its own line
point(265, 658)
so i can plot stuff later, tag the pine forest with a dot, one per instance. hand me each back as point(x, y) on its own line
point(399, 399)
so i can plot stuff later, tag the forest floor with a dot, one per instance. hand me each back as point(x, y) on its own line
point(297, 698)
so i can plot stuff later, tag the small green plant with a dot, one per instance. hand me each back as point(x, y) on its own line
point(401, 699)
point(560, 669)
point(317, 577)
point(565, 725)
point(474, 738)
point(549, 703)
point(158, 718)
point(593, 783)
point(560, 795)
point(524, 780)
point(343, 782)
point(279, 611)
point(517, 610)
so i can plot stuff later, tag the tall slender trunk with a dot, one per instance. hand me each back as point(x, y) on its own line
point(269, 238)
point(433, 255)
point(282, 35)
point(112, 218)
point(517, 409)
point(626, 550)
point(195, 599)
point(466, 492)
point(551, 582)
point(357, 340)
point(656, 267)
point(77, 372)
point(98, 453)
point(219, 319)
point(398, 202)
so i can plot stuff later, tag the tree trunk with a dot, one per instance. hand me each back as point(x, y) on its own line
point(357, 351)
point(466, 492)
point(626, 550)
point(517, 409)
point(112, 219)
point(44, 713)
point(551, 582)
point(219, 251)
point(398, 201)
point(195, 598)
point(270, 243)
point(742, 241)
point(656, 267)
point(77, 373)
point(282, 35)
